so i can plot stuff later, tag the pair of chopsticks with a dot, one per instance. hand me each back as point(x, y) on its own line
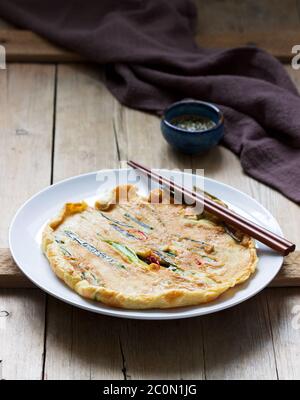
point(263, 235)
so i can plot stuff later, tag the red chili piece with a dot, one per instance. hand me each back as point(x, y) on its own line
point(153, 260)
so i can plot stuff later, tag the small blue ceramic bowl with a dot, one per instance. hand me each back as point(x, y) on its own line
point(196, 141)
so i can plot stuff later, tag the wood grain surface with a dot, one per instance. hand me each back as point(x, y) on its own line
point(26, 46)
point(84, 141)
point(136, 132)
point(268, 24)
point(26, 120)
point(58, 121)
point(12, 277)
point(88, 120)
point(284, 310)
point(22, 332)
point(26, 98)
point(237, 340)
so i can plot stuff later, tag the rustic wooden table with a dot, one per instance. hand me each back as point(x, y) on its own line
point(58, 120)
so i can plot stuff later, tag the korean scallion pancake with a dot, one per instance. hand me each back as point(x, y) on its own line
point(138, 254)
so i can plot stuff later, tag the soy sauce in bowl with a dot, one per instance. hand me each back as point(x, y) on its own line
point(193, 123)
point(192, 126)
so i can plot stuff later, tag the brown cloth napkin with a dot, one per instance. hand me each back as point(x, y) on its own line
point(151, 60)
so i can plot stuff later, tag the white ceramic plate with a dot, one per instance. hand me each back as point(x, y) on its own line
point(26, 227)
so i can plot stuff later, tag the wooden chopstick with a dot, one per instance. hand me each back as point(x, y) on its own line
point(270, 239)
point(232, 213)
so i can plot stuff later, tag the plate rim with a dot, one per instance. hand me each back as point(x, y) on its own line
point(126, 313)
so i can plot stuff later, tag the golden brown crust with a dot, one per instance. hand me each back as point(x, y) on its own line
point(172, 298)
point(63, 268)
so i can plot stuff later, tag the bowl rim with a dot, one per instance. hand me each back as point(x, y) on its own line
point(199, 102)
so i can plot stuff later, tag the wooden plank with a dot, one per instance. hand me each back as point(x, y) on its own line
point(225, 358)
point(26, 98)
point(12, 277)
point(239, 345)
point(284, 308)
point(139, 138)
point(227, 355)
point(278, 43)
point(163, 349)
point(219, 164)
point(275, 202)
point(137, 132)
point(289, 273)
point(84, 137)
point(269, 25)
point(231, 15)
point(82, 345)
point(217, 16)
point(294, 74)
point(21, 334)
point(149, 352)
point(26, 46)
point(222, 165)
